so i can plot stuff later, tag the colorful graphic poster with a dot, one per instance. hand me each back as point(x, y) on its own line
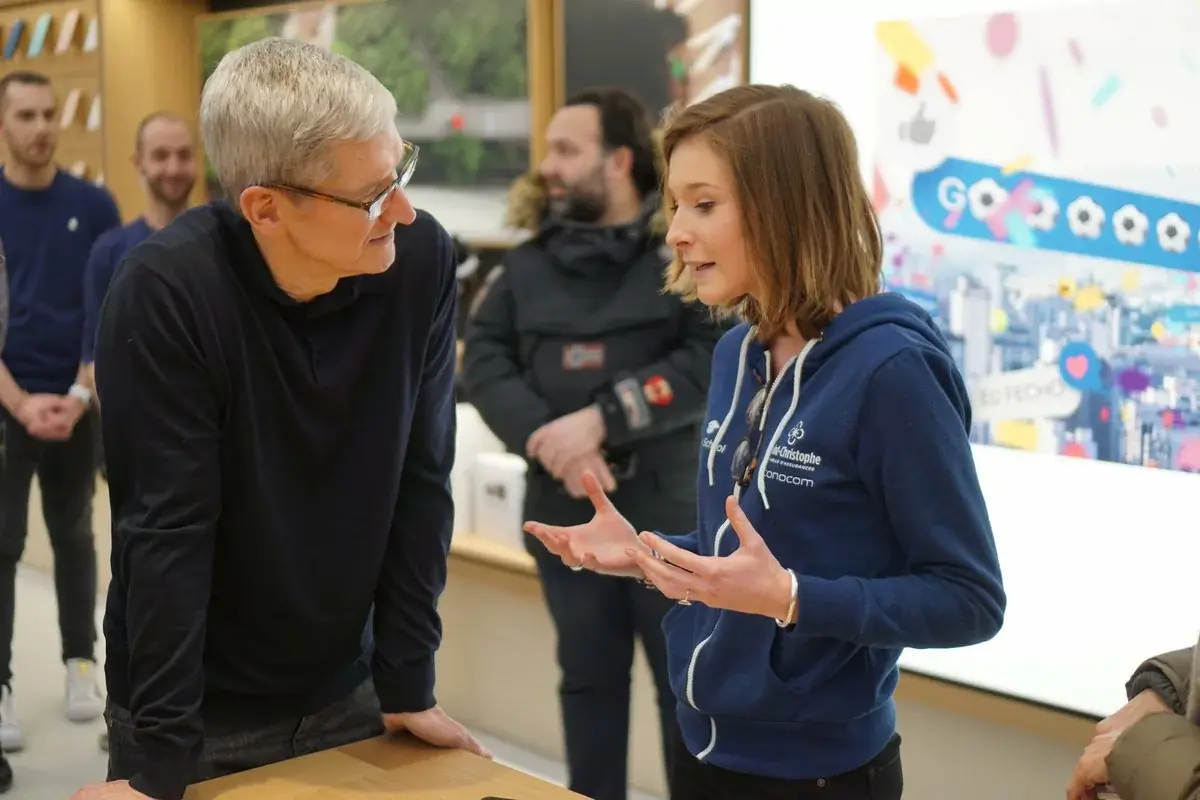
point(1037, 177)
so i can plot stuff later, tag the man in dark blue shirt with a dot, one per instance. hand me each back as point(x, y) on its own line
point(49, 221)
point(165, 159)
point(277, 381)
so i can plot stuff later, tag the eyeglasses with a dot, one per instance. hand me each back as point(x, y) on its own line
point(745, 457)
point(374, 207)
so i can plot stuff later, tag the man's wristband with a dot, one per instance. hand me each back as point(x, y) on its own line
point(80, 393)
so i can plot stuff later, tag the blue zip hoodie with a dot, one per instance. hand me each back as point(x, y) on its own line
point(869, 494)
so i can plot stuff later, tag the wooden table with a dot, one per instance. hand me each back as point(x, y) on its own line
point(379, 769)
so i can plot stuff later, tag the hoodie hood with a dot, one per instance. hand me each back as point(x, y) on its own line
point(526, 204)
point(586, 248)
point(595, 250)
point(527, 207)
point(858, 319)
point(889, 308)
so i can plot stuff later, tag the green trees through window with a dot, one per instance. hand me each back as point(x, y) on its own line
point(457, 68)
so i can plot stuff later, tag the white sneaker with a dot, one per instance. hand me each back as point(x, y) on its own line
point(11, 739)
point(84, 701)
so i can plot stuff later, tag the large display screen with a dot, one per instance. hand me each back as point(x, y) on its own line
point(1035, 172)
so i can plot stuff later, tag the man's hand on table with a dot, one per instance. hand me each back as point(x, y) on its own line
point(117, 790)
point(434, 727)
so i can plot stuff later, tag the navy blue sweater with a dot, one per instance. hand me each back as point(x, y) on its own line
point(107, 254)
point(276, 468)
point(866, 489)
point(48, 234)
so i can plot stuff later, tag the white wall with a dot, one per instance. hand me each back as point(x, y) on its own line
point(830, 48)
point(1099, 558)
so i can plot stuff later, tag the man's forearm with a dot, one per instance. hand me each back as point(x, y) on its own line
point(408, 628)
point(169, 577)
point(87, 377)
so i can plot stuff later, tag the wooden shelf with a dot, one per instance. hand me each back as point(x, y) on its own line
point(146, 61)
point(69, 71)
point(479, 550)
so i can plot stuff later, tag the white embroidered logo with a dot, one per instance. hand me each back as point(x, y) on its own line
point(710, 429)
point(789, 460)
point(795, 434)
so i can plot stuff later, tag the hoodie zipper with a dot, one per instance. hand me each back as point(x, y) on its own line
point(773, 383)
point(691, 670)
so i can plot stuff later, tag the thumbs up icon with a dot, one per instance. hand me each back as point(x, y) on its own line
point(920, 129)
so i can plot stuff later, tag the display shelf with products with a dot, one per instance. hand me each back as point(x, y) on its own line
point(112, 62)
point(47, 37)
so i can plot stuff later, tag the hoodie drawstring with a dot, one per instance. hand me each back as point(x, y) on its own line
point(797, 364)
point(737, 390)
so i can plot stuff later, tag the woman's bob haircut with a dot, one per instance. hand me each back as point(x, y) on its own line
point(811, 233)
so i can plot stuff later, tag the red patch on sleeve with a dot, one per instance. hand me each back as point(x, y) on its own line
point(658, 391)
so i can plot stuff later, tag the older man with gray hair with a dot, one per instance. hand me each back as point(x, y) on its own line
point(277, 376)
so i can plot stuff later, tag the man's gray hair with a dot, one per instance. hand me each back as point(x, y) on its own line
point(271, 109)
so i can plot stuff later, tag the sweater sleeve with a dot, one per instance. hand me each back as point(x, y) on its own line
point(494, 379)
point(408, 627)
point(162, 436)
point(917, 412)
point(1157, 758)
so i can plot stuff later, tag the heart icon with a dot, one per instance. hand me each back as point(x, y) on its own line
point(1077, 366)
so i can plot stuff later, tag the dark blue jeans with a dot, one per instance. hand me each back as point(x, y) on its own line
point(232, 747)
point(597, 619)
point(66, 473)
point(882, 778)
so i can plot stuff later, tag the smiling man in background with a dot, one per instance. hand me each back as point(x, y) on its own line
point(165, 159)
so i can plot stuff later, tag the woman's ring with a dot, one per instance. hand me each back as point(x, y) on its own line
point(687, 598)
point(577, 567)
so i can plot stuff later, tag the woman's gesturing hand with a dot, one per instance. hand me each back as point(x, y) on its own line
point(602, 545)
point(750, 580)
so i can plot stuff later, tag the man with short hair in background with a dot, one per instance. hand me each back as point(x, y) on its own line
point(165, 159)
point(49, 221)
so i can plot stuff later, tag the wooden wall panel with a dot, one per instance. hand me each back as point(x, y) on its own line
point(545, 71)
point(146, 61)
point(150, 63)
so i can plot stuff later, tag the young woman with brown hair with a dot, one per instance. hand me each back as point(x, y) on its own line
point(840, 516)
